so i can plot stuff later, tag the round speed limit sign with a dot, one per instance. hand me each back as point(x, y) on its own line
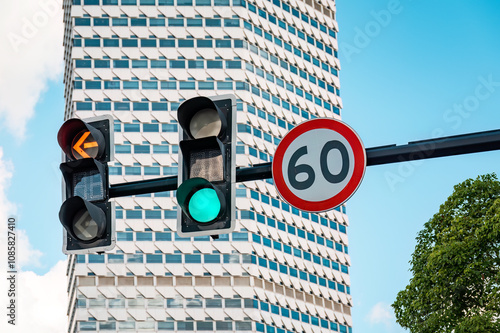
point(319, 165)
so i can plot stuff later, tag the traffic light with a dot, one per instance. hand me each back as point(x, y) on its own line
point(207, 172)
point(86, 214)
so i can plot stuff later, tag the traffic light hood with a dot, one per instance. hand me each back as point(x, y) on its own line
point(199, 117)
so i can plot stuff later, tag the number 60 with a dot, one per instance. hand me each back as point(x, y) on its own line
point(295, 169)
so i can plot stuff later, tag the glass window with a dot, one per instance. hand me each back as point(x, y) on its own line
point(231, 22)
point(194, 22)
point(120, 64)
point(233, 303)
point(240, 236)
point(231, 258)
point(187, 85)
point(92, 84)
point(163, 236)
point(169, 85)
point(101, 64)
point(185, 42)
point(116, 303)
point(82, 21)
point(213, 22)
point(225, 85)
point(214, 64)
point(175, 303)
point(150, 85)
point(129, 43)
point(165, 325)
point(154, 22)
point(124, 236)
point(204, 325)
point(194, 303)
point(185, 325)
point(193, 259)
point(206, 85)
point(167, 42)
point(224, 326)
point(204, 43)
point(83, 63)
point(111, 42)
point(120, 22)
point(135, 258)
point(211, 258)
point(102, 106)
point(141, 106)
point(160, 149)
point(195, 63)
point(107, 325)
point(87, 326)
point(213, 303)
point(154, 258)
point(115, 258)
point(173, 259)
point(177, 64)
point(96, 259)
point(138, 22)
point(223, 43)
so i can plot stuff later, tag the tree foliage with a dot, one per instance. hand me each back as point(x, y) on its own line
point(456, 265)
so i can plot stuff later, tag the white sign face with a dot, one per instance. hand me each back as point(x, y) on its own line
point(319, 165)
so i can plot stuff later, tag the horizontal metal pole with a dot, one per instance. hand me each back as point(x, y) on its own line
point(143, 187)
point(416, 150)
point(439, 147)
point(259, 171)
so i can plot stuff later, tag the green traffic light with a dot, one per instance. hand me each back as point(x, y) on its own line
point(204, 205)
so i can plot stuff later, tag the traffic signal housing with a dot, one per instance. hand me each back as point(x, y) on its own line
point(207, 171)
point(86, 213)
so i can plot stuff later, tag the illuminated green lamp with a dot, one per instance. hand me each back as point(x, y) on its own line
point(200, 200)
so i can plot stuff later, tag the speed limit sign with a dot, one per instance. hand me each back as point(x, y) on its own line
point(319, 165)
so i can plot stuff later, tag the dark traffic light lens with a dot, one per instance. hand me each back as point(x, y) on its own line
point(84, 227)
point(205, 123)
point(204, 205)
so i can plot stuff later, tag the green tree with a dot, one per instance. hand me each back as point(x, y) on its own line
point(456, 265)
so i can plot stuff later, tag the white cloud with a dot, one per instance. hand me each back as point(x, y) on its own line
point(31, 35)
point(41, 302)
point(28, 256)
point(381, 313)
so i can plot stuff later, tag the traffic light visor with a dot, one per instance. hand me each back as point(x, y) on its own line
point(80, 140)
point(86, 178)
point(199, 117)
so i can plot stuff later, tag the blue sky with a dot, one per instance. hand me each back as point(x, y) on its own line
point(410, 70)
point(413, 74)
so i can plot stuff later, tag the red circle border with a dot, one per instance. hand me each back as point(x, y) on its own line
point(359, 165)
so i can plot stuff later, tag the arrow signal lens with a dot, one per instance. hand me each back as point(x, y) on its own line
point(84, 227)
point(84, 145)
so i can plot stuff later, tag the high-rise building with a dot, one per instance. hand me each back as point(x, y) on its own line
point(282, 270)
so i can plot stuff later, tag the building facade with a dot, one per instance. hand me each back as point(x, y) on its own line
point(282, 270)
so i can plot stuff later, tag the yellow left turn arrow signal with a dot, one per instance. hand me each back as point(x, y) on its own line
point(80, 144)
